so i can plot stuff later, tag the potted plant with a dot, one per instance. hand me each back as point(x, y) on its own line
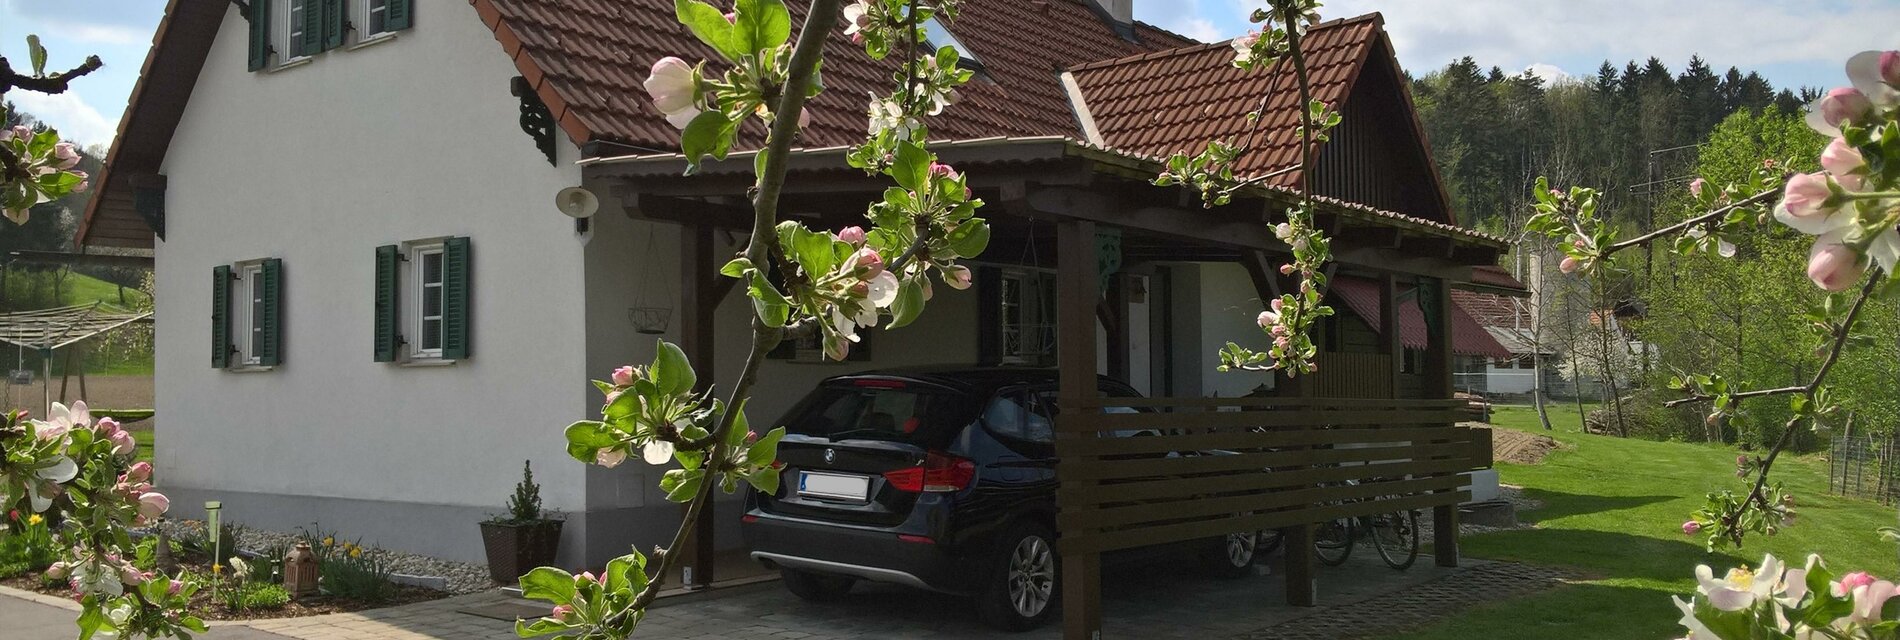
point(523, 538)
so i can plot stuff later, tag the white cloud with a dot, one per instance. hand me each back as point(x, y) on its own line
point(1197, 28)
point(97, 33)
point(1550, 73)
point(74, 119)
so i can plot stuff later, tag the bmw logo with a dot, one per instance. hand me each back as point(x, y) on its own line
point(831, 455)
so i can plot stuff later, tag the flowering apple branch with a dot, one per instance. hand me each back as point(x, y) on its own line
point(1288, 319)
point(36, 167)
point(796, 277)
point(1852, 207)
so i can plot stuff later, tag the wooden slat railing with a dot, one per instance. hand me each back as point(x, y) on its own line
point(1211, 466)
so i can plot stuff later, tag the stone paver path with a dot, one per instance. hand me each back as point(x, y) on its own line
point(1158, 601)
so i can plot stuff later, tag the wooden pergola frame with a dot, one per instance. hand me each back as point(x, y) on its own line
point(1078, 189)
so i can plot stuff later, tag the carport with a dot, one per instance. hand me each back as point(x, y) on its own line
point(1365, 434)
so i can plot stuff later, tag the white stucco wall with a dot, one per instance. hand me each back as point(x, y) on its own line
point(1229, 308)
point(316, 165)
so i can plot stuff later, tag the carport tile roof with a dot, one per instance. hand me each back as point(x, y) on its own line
point(1157, 104)
point(1467, 336)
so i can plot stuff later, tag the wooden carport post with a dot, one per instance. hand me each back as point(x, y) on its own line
point(1077, 292)
point(1434, 295)
point(700, 291)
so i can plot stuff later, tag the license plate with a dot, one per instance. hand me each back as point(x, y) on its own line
point(834, 486)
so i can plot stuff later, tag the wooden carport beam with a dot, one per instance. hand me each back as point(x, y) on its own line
point(1438, 384)
point(701, 289)
point(1077, 290)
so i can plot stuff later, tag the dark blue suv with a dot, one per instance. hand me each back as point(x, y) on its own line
point(940, 479)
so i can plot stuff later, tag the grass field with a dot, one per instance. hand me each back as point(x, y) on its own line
point(1614, 509)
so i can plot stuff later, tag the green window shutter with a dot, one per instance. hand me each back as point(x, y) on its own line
point(312, 18)
point(270, 350)
point(387, 338)
point(455, 295)
point(260, 34)
point(334, 24)
point(401, 15)
point(221, 316)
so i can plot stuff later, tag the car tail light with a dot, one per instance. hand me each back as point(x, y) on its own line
point(915, 539)
point(749, 519)
point(940, 473)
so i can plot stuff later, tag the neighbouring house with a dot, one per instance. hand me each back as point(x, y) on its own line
point(1530, 360)
point(372, 311)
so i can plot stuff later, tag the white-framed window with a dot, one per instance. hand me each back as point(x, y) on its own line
point(1026, 312)
point(370, 19)
point(249, 316)
point(425, 302)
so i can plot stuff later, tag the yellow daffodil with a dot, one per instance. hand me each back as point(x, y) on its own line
point(329, 541)
point(356, 552)
point(35, 519)
point(217, 569)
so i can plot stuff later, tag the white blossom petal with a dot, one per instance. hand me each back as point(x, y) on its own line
point(62, 471)
point(657, 451)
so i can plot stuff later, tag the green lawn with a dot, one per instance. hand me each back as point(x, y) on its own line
point(1614, 509)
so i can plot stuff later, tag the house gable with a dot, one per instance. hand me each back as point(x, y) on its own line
point(1378, 156)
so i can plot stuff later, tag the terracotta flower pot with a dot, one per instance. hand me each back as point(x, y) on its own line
point(514, 548)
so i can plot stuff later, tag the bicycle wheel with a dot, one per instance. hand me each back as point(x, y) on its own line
point(1396, 536)
point(1332, 541)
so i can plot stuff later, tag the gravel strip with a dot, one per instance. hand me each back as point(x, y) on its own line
point(461, 577)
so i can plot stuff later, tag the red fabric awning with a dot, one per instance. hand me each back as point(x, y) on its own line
point(1467, 336)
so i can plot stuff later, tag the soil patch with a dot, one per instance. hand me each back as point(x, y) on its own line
point(1509, 445)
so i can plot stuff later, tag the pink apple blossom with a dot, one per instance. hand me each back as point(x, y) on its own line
point(153, 504)
point(562, 613)
point(66, 155)
point(941, 170)
point(1844, 104)
point(957, 276)
point(1854, 580)
point(174, 587)
point(139, 472)
point(58, 571)
point(1833, 266)
point(21, 132)
point(1696, 186)
point(868, 263)
point(1869, 601)
point(122, 443)
point(732, 17)
point(851, 235)
point(610, 457)
point(1804, 205)
point(1691, 527)
point(623, 376)
point(1841, 159)
point(674, 87)
point(1288, 269)
point(1569, 265)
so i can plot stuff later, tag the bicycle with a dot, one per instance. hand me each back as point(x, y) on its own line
point(1394, 534)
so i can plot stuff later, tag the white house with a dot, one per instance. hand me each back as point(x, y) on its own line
point(370, 311)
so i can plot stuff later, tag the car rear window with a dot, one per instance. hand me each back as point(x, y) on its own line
point(886, 411)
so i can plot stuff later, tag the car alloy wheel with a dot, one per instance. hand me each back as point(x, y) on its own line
point(1032, 576)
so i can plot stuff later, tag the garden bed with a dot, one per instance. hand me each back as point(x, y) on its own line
point(206, 608)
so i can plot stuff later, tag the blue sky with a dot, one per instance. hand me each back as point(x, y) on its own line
point(1792, 42)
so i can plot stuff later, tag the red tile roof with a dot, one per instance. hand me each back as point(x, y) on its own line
point(1467, 336)
point(587, 59)
point(1157, 104)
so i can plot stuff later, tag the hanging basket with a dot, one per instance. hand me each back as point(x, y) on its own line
point(649, 320)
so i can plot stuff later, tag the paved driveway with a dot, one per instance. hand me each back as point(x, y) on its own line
point(1150, 602)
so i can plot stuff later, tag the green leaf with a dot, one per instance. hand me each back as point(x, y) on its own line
point(763, 24)
point(709, 134)
point(680, 485)
point(538, 627)
point(765, 480)
point(909, 303)
point(765, 451)
point(735, 437)
point(587, 437)
point(710, 26)
point(970, 238)
point(624, 406)
point(736, 268)
point(912, 166)
point(814, 251)
point(548, 584)
point(627, 572)
point(91, 620)
point(37, 53)
point(771, 305)
point(672, 374)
